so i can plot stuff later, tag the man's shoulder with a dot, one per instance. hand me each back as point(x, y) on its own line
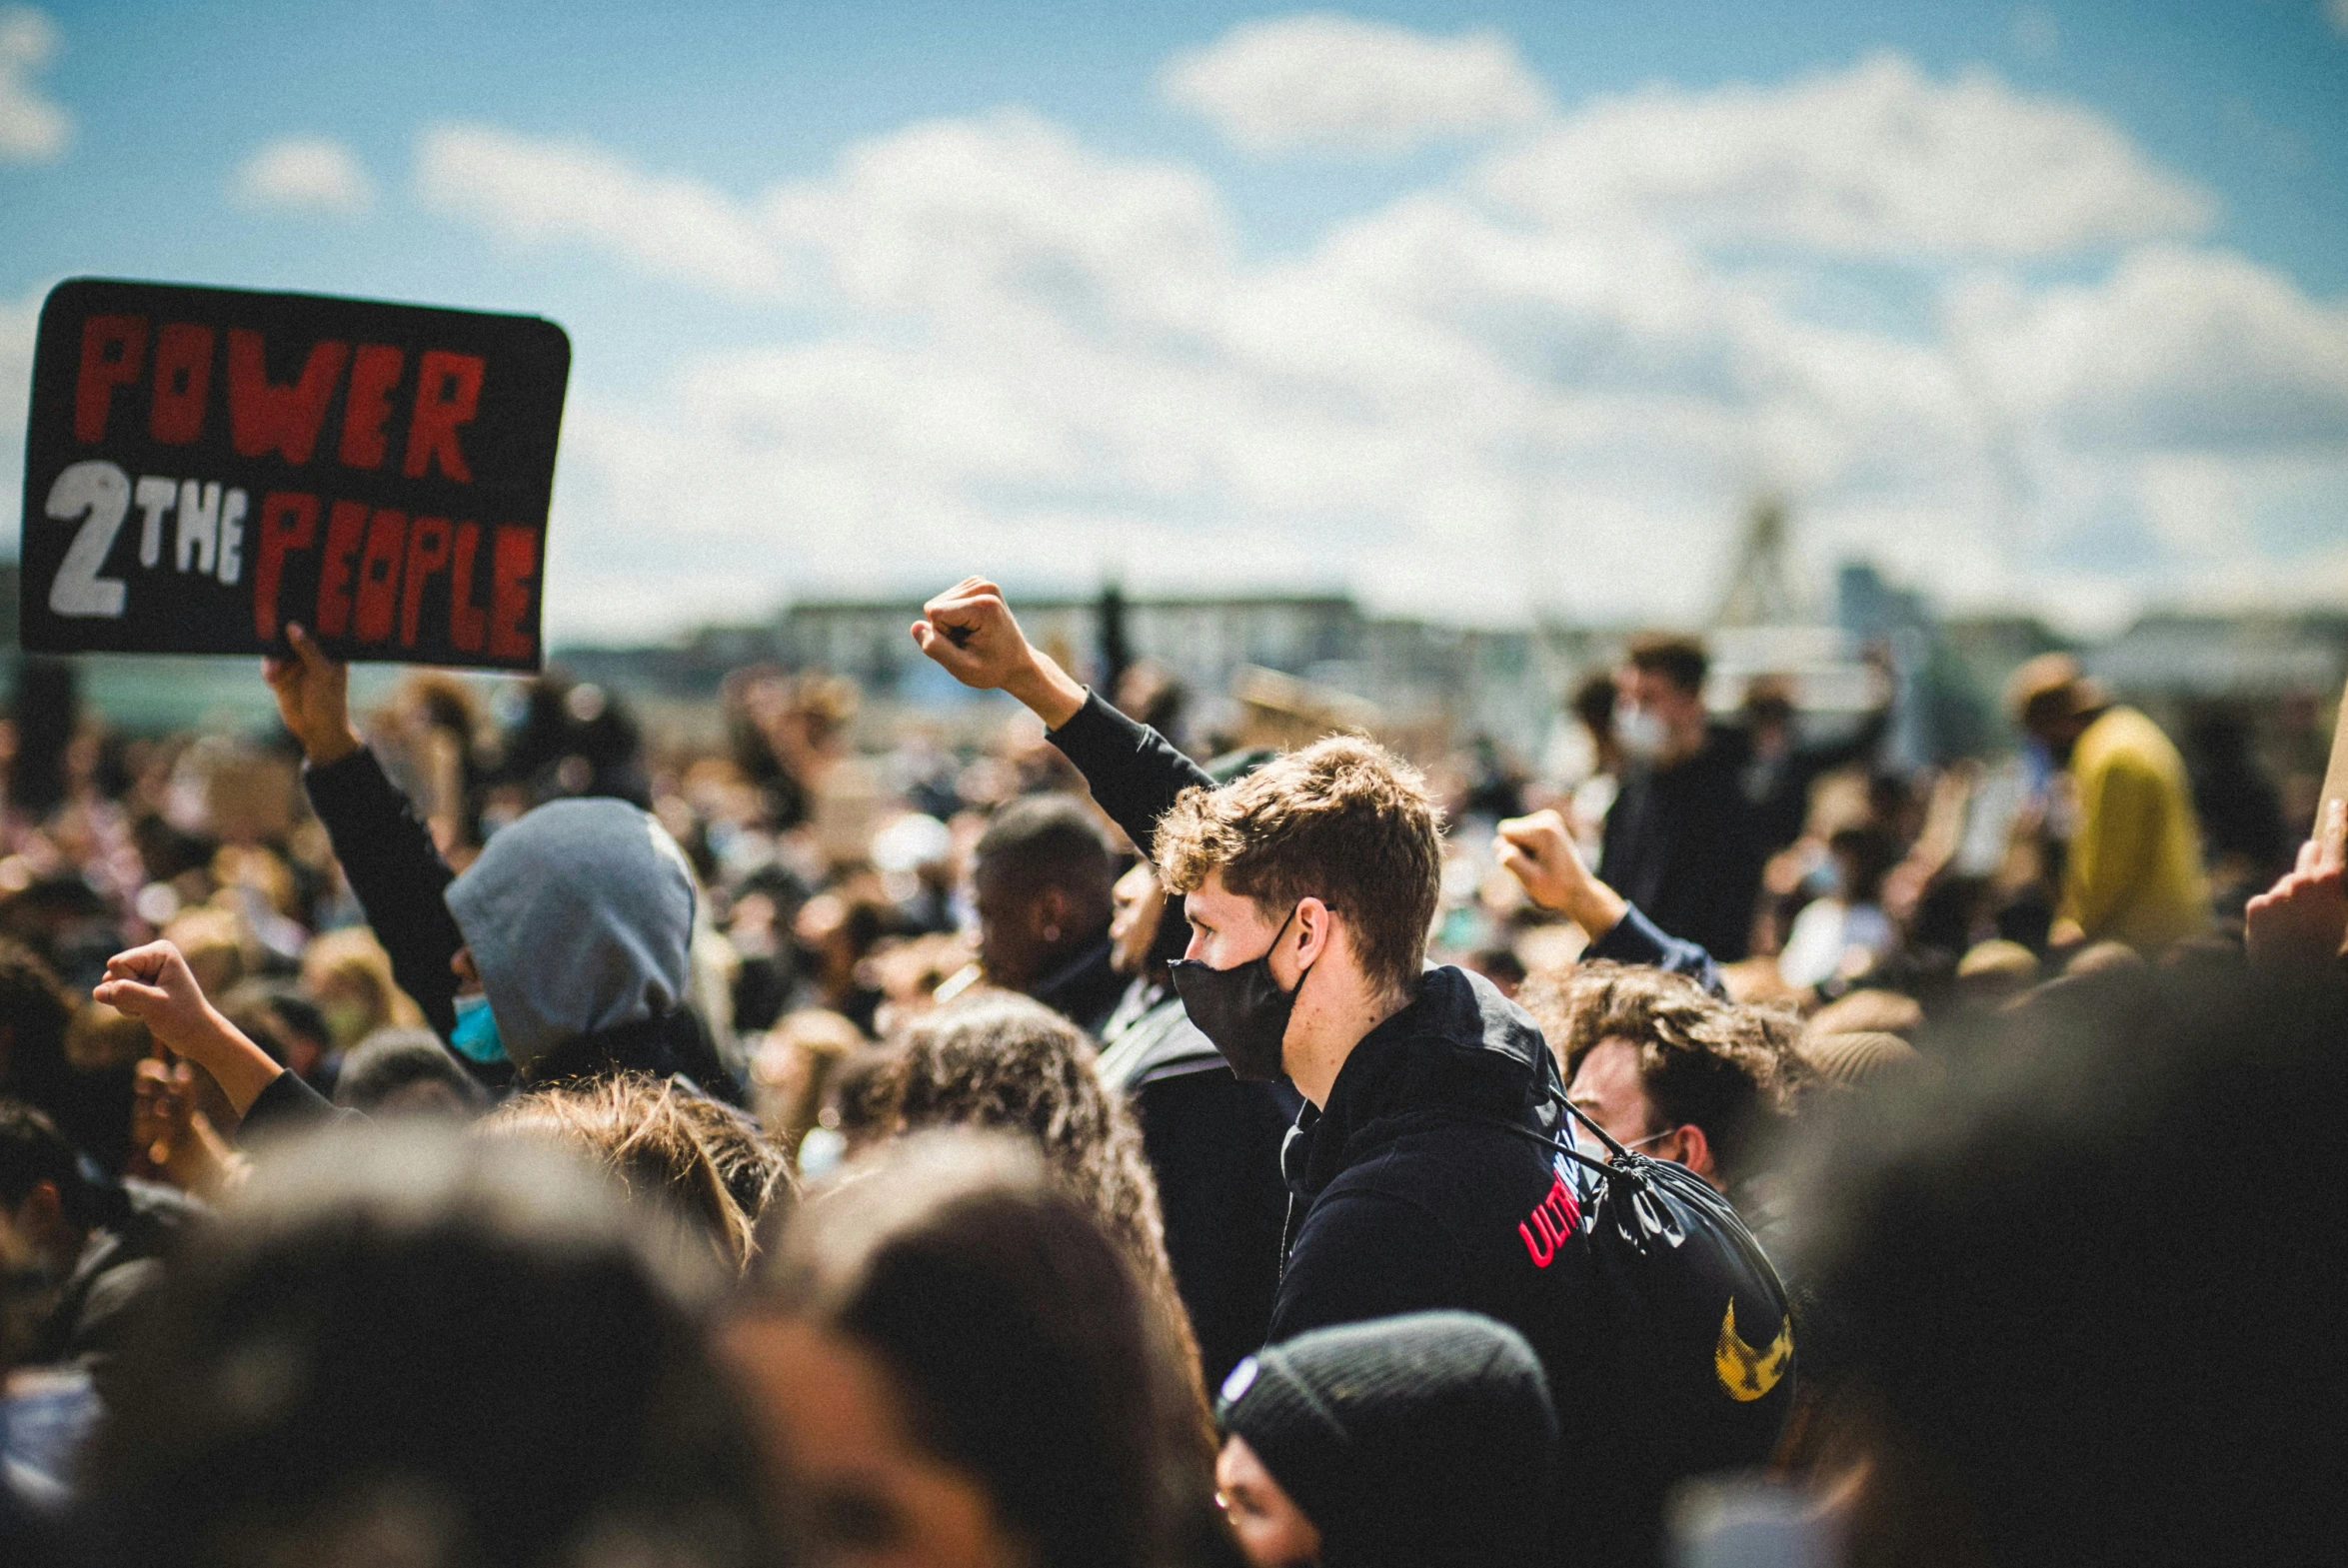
point(1454, 1170)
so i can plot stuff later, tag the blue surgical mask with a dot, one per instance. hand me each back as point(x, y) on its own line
point(476, 1033)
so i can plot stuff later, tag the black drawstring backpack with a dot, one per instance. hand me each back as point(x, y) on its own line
point(1695, 1370)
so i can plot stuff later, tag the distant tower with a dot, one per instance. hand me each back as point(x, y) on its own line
point(1116, 653)
point(1760, 593)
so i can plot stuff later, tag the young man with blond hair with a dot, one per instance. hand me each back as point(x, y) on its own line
point(1422, 1173)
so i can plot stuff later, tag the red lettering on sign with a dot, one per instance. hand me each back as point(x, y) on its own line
point(289, 521)
point(375, 369)
point(264, 417)
point(345, 525)
point(428, 552)
point(512, 567)
point(378, 598)
point(183, 379)
point(112, 348)
point(447, 391)
point(468, 625)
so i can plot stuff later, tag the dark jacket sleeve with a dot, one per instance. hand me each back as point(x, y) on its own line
point(1365, 1254)
point(397, 873)
point(1637, 939)
point(289, 1105)
point(1133, 771)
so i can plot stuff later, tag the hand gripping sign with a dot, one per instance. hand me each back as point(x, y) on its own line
point(204, 465)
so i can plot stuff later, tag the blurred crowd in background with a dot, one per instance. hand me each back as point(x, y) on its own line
point(835, 849)
point(859, 870)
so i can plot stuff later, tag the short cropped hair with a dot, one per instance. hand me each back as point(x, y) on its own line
point(1678, 658)
point(1343, 820)
point(1704, 1063)
point(1047, 840)
point(391, 1060)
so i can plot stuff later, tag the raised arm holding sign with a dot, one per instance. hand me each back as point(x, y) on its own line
point(204, 467)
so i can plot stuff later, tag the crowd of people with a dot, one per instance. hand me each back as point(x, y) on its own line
point(432, 1139)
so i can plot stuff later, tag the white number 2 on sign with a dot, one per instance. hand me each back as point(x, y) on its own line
point(98, 495)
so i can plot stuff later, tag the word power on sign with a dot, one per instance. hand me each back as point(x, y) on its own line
point(205, 465)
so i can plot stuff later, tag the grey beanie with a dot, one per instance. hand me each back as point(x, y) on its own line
point(579, 916)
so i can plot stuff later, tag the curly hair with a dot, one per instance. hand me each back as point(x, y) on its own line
point(1000, 1061)
point(1728, 1069)
point(1343, 820)
point(641, 1130)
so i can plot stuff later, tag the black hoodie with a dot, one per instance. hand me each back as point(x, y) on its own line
point(1428, 1181)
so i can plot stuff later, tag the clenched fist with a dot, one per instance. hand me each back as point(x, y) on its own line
point(314, 699)
point(1539, 853)
point(971, 632)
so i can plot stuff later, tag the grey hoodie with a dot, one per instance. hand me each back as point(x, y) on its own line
point(579, 917)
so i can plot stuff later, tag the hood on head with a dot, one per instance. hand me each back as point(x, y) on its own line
point(579, 916)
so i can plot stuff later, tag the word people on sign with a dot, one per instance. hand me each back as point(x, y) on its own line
point(206, 465)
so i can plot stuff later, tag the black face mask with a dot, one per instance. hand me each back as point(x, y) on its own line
point(1241, 1009)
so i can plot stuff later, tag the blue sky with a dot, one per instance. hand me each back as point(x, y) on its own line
point(1482, 311)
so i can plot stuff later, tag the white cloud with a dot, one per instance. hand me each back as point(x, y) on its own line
point(32, 128)
point(1876, 161)
point(305, 174)
point(1005, 212)
point(2186, 350)
point(529, 190)
point(1021, 354)
point(20, 322)
point(1333, 83)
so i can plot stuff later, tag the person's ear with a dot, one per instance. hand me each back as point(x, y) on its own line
point(1315, 929)
point(1052, 914)
point(42, 1213)
point(1696, 1152)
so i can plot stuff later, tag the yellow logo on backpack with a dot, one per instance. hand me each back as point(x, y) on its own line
point(1748, 1373)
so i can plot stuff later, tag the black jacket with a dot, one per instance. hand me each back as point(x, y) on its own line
point(1681, 843)
point(1213, 1143)
point(121, 1263)
point(1428, 1181)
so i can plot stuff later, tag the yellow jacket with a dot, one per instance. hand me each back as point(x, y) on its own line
point(2134, 869)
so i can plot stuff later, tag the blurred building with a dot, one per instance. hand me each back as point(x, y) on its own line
point(1425, 682)
point(1413, 673)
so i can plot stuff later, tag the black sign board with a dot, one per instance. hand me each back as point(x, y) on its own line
point(205, 465)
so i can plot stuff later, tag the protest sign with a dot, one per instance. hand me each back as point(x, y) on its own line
point(2331, 810)
point(205, 465)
